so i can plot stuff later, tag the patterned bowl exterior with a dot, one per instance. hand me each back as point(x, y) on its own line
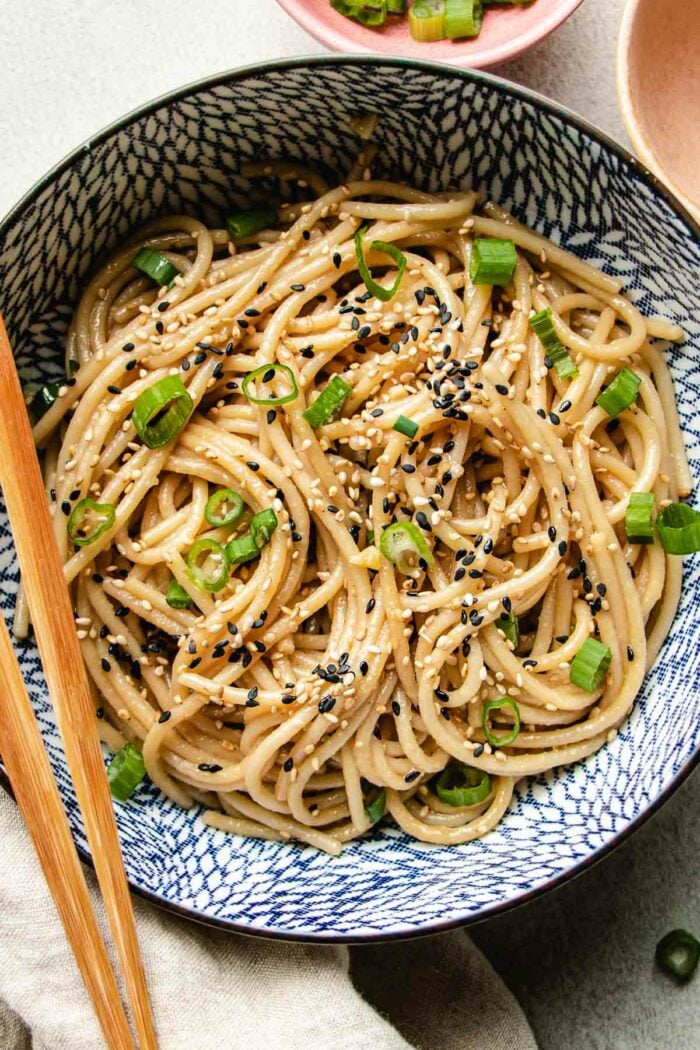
point(440, 127)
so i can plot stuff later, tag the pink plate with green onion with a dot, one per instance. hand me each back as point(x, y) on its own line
point(507, 30)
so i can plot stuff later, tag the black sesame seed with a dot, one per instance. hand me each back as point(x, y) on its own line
point(630, 653)
point(326, 704)
point(165, 717)
point(413, 775)
point(130, 365)
point(552, 533)
point(364, 667)
point(501, 389)
point(271, 415)
point(100, 712)
point(370, 605)
point(288, 765)
point(105, 664)
point(478, 751)
point(563, 547)
point(396, 707)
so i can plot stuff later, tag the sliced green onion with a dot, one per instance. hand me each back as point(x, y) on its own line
point(590, 665)
point(177, 597)
point(621, 393)
point(375, 809)
point(102, 515)
point(213, 574)
point(638, 523)
point(262, 525)
point(370, 537)
point(370, 13)
point(43, 400)
point(406, 426)
point(543, 327)
point(224, 507)
point(679, 529)
point(155, 266)
point(243, 223)
point(242, 549)
point(396, 7)
point(328, 403)
point(504, 739)
point(125, 772)
point(266, 374)
point(463, 18)
point(426, 20)
point(492, 261)
point(394, 253)
point(678, 953)
point(405, 546)
point(508, 624)
point(161, 411)
point(460, 785)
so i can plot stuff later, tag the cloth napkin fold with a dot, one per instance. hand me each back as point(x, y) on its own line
point(212, 990)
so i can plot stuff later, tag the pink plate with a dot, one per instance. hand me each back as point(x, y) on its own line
point(506, 32)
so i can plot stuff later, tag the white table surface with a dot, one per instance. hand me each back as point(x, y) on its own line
point(580, 960)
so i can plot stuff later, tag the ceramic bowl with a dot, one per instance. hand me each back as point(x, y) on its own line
point(506, 32)
point(658, 82)
point(440, 127)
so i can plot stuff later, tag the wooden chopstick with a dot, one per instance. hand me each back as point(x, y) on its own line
point(35, 790)
point(52, 619)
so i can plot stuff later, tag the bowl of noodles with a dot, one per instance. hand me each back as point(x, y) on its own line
point(366, 397)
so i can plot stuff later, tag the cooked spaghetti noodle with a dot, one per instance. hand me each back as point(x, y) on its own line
point(341, 669)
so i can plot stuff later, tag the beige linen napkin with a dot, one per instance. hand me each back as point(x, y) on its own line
point(222, 992)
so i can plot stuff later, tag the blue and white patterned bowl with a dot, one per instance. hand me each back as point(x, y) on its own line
point(440, 127)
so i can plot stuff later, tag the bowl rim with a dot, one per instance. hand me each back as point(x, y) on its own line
point(631, 113)
point(503, 87)
point(482, 58)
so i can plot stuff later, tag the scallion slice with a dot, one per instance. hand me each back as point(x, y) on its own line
point(262, 525)
point(394, 253)
point(508, 624)
point(370, 13)
point(426, 20)
point(89, 520)
point(43, 400)
point(224, 507)
point(463, 18)
point(328, 403)
point(405, 546)
point(638, 521)
point(243, 223)
point(678, 953)
point(679, 529)
point(155, 266)
point(375, 809)
point(460, 785)
point(125, 772)
point(407, 427)
point(543, 327)
point(621, 393)
point(242, 549)
point(503, 739)
point(492, 261)
point(590, 665)
point(396, 7)
point(177, 597)
point(212, 573)
point(267, 374)
point(162, 411)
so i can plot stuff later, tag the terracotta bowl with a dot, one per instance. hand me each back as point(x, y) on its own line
point(506, 32)
point(658, 82)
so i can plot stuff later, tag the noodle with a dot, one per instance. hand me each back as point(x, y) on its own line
point(320, 674)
